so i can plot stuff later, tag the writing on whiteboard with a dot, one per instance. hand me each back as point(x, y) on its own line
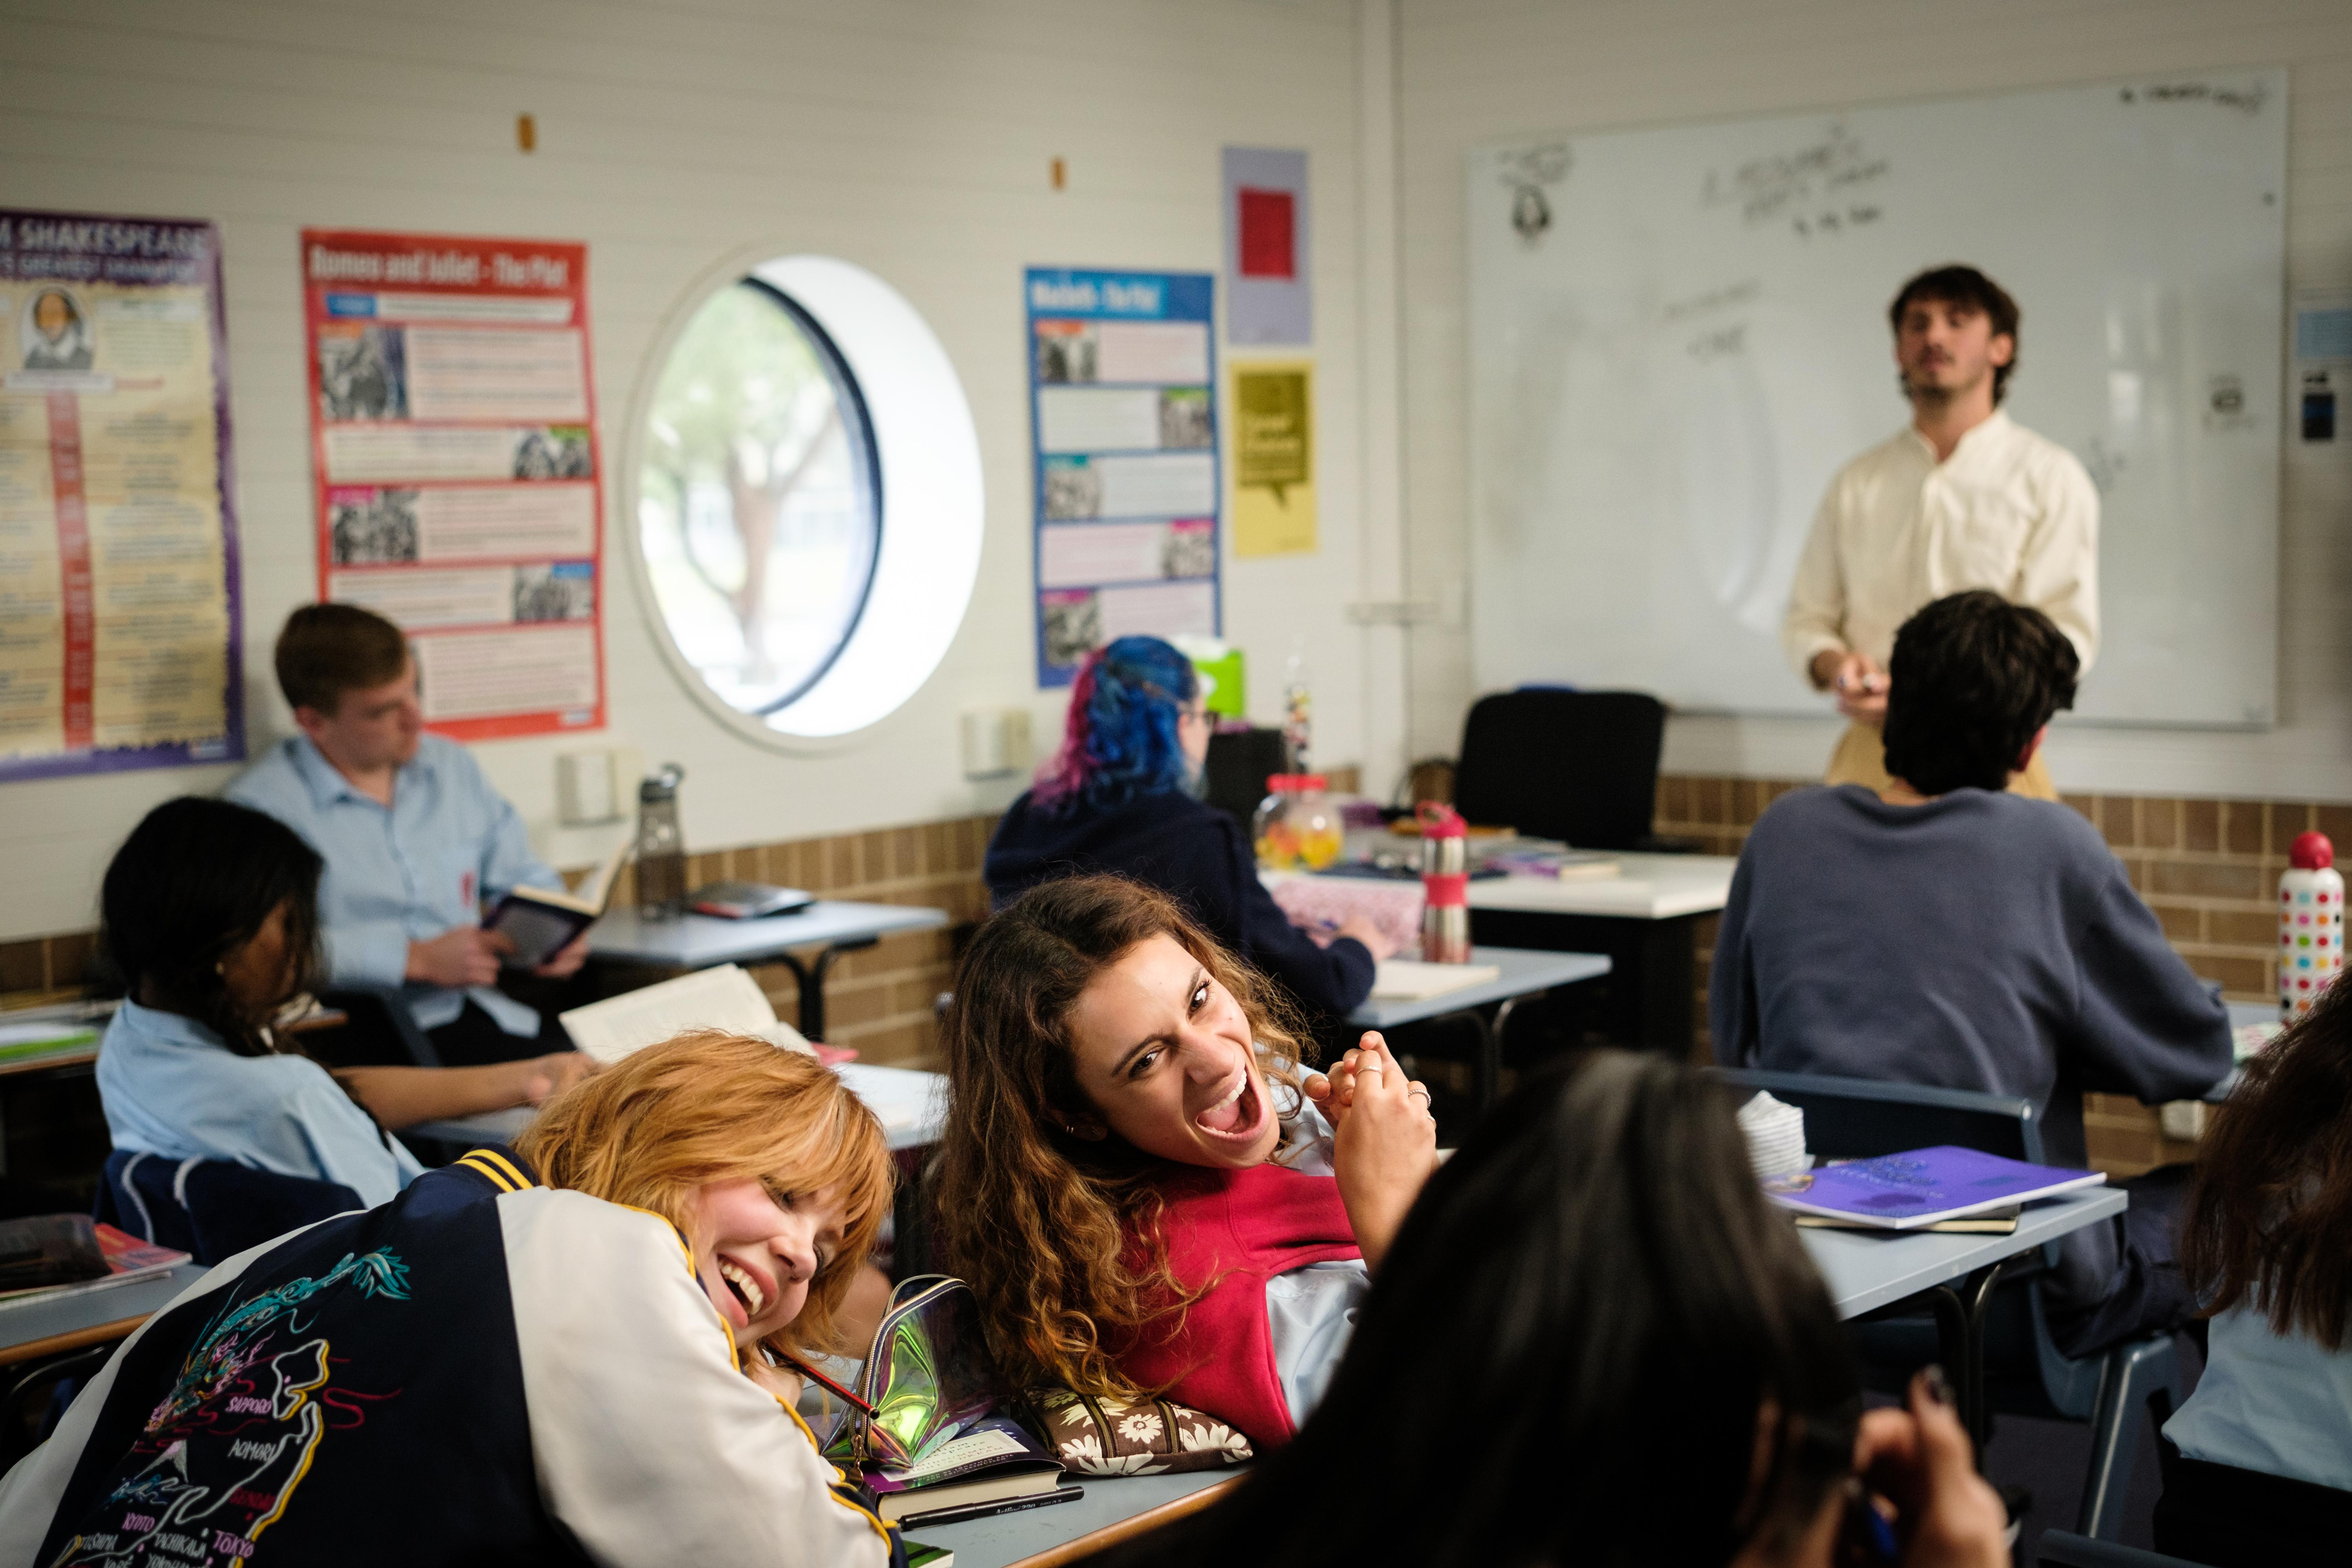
point(2249, 100)
point(1820, 173)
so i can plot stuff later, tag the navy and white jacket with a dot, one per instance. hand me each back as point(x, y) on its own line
point(483, 1369)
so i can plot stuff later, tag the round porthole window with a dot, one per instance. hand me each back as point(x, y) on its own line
point(807, 495)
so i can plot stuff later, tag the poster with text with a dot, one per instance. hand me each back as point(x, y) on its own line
point(1122, 384)
point(458, 484)
point(1274, 458)
point(117, 541)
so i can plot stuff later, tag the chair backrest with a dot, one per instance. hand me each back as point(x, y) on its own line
point(1236, 769)
point(212, 1209)
point(380, 1031)
point(2065, 1549)
point(1581, 766)
point(1855, 1118)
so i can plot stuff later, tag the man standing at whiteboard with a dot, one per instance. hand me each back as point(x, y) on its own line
point(1962, 498)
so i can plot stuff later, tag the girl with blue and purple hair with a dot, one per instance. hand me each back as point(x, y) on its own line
point(1120, 795)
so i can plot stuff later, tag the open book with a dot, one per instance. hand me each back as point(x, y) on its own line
point(721, 998)
point(540, 921)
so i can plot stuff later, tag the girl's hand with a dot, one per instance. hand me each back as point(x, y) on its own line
point(1920, 1459)
point(1385, 1147)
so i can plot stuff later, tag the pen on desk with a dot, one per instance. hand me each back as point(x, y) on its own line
point(821, 1381)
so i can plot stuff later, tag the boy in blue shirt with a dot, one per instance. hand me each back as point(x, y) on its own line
point(1944, 932)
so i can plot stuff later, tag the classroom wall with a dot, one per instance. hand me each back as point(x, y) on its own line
point(912, 137)
point(1473, 71)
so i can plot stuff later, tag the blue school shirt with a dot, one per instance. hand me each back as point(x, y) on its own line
point(171, 1086)
point(404, 873)
point(2281, 1403)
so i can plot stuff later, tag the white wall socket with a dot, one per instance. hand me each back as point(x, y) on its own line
point(592, 787)
point(995, 742)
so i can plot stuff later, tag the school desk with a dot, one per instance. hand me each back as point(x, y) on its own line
point(1643, 920)
point(704, 942)
point(1868, 1269)
point(41, 1327)
point(1525, 975)
point(1114, 1508)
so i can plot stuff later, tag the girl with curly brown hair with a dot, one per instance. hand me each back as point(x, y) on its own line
point(1141, 1186)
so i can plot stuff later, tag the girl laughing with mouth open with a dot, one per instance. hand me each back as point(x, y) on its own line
point(552, 1355)
point(1137, 1182)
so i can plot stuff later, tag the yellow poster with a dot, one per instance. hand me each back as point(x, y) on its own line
point(1273, 458)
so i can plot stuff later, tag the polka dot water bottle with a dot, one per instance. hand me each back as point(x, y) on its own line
point(2311, 925)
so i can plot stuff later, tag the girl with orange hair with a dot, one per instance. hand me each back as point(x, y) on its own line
point(568, 1349)
point(1141, 1186)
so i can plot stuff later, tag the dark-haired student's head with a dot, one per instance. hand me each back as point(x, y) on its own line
point(2269, 1223)
point(211, 911)
point(351, 679)
point(1593, 1341)
point(1954, 328)
point(1974, 679)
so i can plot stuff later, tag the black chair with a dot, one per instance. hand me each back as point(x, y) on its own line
point(210, 1209)
point(2065, 1549)
point(1238, 764)
point(2025, 1374)
point(1578, 766)
point(378, 1031)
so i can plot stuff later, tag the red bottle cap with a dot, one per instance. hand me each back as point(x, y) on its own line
point(1440, 821)
point(2311, 852)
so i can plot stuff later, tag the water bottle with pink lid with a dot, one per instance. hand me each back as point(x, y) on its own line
point(2311, 925)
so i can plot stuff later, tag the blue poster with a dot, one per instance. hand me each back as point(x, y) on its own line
point(1123, 408)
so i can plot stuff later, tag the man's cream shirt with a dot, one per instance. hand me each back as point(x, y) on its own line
point(2009, 511)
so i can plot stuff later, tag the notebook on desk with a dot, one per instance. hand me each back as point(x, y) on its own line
point(1410, 980)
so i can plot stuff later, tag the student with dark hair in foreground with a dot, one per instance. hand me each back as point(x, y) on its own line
point(416, 841)
point(1594, 1342)
point(1942, 931)
point(211, 918)
point(557, 1355)
point(2266, 1470)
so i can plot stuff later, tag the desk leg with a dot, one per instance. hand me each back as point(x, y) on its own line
point(1652, 982)
point(811, 980)
point(1959, 1331)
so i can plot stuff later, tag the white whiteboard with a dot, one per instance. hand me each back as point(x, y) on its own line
point(1665, 374)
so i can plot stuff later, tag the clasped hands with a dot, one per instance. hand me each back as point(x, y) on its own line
point(1384, 1140)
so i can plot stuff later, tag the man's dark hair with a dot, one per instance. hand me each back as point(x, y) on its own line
point(1965, 286)
point(1974, 677)
point(194, 882)
point(329, 649)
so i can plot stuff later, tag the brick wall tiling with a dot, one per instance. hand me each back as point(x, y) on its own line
point(878, 1000)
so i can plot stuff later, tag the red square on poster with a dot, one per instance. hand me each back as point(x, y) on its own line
point(1269, 233)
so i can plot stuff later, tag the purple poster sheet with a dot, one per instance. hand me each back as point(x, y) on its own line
point(118, 622)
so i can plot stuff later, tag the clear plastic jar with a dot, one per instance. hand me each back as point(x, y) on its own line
point(1299, 827)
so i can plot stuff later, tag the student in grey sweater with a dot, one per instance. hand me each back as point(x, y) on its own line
point(1946, 933)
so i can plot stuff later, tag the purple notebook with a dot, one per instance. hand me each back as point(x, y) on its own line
point(1902, 1192)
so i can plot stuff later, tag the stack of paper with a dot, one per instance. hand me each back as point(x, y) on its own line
point(1776, 1136)
point(1410, 980)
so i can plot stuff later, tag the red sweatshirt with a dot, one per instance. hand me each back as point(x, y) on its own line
point(1238, 1229)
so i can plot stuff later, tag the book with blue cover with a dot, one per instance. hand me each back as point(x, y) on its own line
point(1922, 1186)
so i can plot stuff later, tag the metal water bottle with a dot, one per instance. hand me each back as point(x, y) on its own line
point(2311, 925)
point(661, 847)
point(1445, 885)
